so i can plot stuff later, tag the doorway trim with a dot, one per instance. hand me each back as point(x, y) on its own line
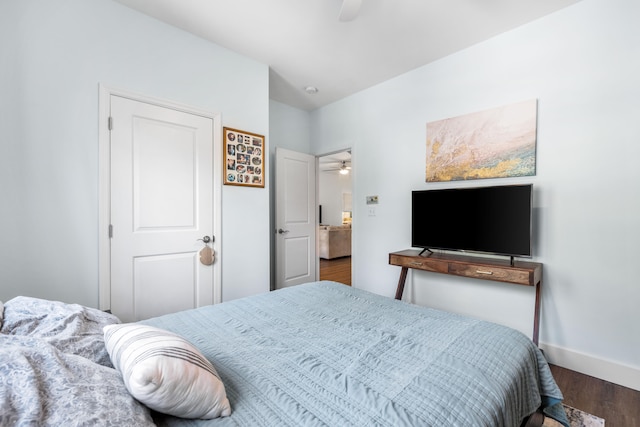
point(104, 186)
point(353, 207)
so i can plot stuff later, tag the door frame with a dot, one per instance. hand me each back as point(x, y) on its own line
point(104, 171)
point(353, 207)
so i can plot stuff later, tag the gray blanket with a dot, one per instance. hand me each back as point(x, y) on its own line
point(55, 371)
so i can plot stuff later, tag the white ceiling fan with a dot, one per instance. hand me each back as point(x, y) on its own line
point(343, 167)
point(349, 10)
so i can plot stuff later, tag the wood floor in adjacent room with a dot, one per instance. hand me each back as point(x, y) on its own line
point(337, 269)
point(619, 406)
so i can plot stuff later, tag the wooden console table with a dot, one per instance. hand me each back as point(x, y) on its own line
point(518, 273)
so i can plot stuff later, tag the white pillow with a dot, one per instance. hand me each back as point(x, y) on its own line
point(165, 372)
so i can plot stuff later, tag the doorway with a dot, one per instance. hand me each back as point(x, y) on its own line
point(335, 216)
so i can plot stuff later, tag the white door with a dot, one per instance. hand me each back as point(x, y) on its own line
point(295, 218)
point(161, 205)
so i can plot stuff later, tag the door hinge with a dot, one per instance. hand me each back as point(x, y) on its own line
point(111, 231)
point(110, 123)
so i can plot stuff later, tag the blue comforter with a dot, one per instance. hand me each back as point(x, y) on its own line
point(325, 354)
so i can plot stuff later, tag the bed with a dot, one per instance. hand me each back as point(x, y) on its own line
point(319, 354)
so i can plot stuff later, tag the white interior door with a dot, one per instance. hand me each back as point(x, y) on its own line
point(162, 203)
point(295, 218)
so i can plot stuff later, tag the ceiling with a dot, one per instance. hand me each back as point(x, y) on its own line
point(305, 44)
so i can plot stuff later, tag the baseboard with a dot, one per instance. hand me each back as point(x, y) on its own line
point(614, 372)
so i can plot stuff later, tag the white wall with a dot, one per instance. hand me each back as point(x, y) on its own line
point(53, 56)
point(331, 187)
point(289, 127)
point(582, 64)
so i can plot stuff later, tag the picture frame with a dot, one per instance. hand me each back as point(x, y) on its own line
point(243, 158)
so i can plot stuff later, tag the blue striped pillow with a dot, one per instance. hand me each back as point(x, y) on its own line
point(166, 372)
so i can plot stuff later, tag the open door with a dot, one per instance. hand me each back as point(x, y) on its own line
point(295, 218)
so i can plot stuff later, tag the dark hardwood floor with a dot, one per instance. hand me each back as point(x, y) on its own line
point(619, 406)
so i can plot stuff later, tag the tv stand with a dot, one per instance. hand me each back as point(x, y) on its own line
point(512, 272)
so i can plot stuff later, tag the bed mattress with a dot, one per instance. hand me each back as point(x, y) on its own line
point(325, 354)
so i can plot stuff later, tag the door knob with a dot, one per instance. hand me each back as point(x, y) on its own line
point(281, 231)
point(207, 239)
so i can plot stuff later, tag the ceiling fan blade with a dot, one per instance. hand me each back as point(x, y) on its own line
point(349, 10)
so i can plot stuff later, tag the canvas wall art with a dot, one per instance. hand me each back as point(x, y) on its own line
point(495, 143)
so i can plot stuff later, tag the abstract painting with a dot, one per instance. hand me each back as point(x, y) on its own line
point(495, 143)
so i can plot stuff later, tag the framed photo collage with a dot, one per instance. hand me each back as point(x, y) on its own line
point(243, 158)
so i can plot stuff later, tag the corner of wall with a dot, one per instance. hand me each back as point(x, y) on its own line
point(624, 375)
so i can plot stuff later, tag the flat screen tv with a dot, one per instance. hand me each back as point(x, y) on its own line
point(492, 220)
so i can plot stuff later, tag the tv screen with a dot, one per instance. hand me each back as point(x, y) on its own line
point(495, 220)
